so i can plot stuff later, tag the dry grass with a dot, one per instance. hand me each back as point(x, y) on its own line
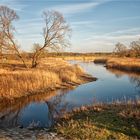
point(120, 120)
point(50, 74)
point(82, 58)
point(15, 83)
point(126, 64)
point(100, 60)
point(71, 74)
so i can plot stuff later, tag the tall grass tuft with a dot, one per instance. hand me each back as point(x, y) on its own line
point(15, 83)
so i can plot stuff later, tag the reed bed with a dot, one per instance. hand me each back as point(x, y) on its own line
point(126, 64)
point(15, 83)
point(50, 74)
point(100, 60)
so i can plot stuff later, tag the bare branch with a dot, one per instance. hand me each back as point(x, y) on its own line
point(56, 33)
point(7, 16)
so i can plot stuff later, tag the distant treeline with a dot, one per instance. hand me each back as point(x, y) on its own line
point(76, 54)
point(132, 50)
point(28, 55)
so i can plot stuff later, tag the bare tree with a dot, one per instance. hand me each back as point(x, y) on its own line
point(56, 34)
point(135, 47)
point(120, 49)
point(1, 42)
point(36, 48)
point(7, 41)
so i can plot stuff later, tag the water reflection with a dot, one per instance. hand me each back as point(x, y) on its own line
point(28, 109)
point(36, 110)
point(134, 78)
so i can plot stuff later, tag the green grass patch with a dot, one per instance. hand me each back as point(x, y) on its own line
point(104, 123)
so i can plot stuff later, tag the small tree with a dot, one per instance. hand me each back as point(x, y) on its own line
point(7, 42)
point(135, 47)
point(120, 49)
point(36, 48)
point(56, 34)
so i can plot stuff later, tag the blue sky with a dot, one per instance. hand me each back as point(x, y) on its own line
point(97, 25)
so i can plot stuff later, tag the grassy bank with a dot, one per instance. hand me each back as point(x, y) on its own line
point(124, 64)
point(108, 121)
point(49, 75)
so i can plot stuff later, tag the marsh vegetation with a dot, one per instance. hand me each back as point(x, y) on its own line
point(103, 121)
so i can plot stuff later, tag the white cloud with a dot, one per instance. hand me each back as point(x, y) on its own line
point(106, 42)
point(14, 4)
point(125, 31)
point(83, 22)
point(74, 8)
point(119, 34)
point(76, 26)
point(124, 18)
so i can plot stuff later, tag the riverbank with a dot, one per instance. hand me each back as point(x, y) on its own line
point(104, 121)
point(118, 120)
point(124, 64)
point(115, 62)
point(26, 134)
point(51, 74)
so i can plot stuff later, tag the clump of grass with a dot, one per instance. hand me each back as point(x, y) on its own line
point(67, 75)
point(102, 121)
point(71, 74)
point(100, 60)
point(78, 69)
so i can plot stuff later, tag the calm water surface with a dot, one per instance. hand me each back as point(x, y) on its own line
point(40, 110)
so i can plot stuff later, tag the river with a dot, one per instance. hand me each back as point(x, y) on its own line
point(40, 110)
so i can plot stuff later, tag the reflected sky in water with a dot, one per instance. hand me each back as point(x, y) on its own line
point(40, 110)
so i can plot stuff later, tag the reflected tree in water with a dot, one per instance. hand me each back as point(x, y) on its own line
point(58, 105)
point(12, 111)
point(136, 81)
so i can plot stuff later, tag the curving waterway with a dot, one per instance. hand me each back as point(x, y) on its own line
point(40, 110)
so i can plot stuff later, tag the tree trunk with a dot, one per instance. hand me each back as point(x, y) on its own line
point(34, 61)
point(1, 55)
point(23, 61)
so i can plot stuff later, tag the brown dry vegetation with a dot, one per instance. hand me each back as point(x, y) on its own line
point(101, 60)
point(118, 120)
point(50, 74)
point(126, 64)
